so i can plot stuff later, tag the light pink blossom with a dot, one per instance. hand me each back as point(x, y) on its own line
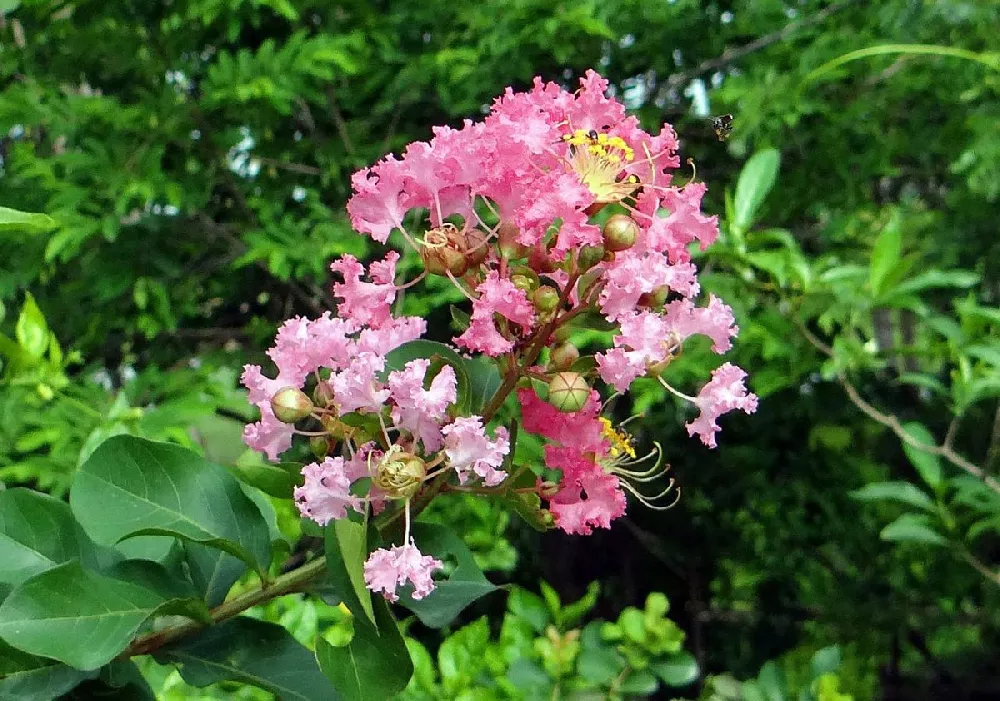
point(386, 570)
point(715, 321)
point(632, 275)
point(326, 492)
point(357, 387)
point(469, 449)
point(379, 203)
point(365, 303)
point(269, 436)
point(390, 335)
point(723, 393)
point(422, 411)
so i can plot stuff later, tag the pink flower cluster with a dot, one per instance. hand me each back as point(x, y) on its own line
point(554, 206)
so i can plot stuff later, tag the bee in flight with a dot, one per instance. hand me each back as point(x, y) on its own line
point(723, 126)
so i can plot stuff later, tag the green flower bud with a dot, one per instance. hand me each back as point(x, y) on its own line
point(545, 298)
point(523, 282)
point(590, 256)
point(510, 247)
point(320, 446)
point(323, 394)
point(620, 232)
point(290, 405)
point(568, 391)
point(656, 298)
point(563, 356)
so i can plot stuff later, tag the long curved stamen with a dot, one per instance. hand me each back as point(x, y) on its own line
point(675, 392)
point(648, 501)
point(461, 288)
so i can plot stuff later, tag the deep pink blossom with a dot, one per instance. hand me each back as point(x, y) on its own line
point(386, 570)
point(469, 449)
point(580, 428)
point(723, 393)
point(592, 500)
point(422, 411)
point(496, 296)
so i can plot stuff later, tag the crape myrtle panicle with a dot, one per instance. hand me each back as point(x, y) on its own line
point(557, 204)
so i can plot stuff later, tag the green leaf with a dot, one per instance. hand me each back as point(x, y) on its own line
point(374, 665)
point(484, 381)
point(163, 489)
point(927, 464)
point(54, 612)
point(935, 279)
point(677, 670)
point(14, 222)
point(771, 682)
point(572, 614)
point(988, 60)
point(346, 552)
point(885, 255)
point(825, 661)
point(213, 572)
point(178, 594)
point(988, 354)
point(252, 652)
point(38, 532)
point(529, 507)
point(639, 682)
point(275, 479)
point(912, 528)
point(25, 677)
point(31, 330)
point(894, 491)
point(466, 583)
point(755, 182)
point(529, 606)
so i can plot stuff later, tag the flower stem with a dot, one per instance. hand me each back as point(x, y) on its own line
point(285, 584)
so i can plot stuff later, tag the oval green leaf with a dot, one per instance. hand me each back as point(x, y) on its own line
point(755, 182)
point(131, 486)
point(894, 491)
point(253, 652)
point(374, 665)
point(912, 528)
point(54, 613)
point(38, 532)
point(13, 221)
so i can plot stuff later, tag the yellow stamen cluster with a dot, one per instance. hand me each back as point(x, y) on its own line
point(612, 148)
point(621, 441)
point(598, 160)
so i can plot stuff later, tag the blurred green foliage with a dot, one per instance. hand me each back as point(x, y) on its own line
point(194, 158)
